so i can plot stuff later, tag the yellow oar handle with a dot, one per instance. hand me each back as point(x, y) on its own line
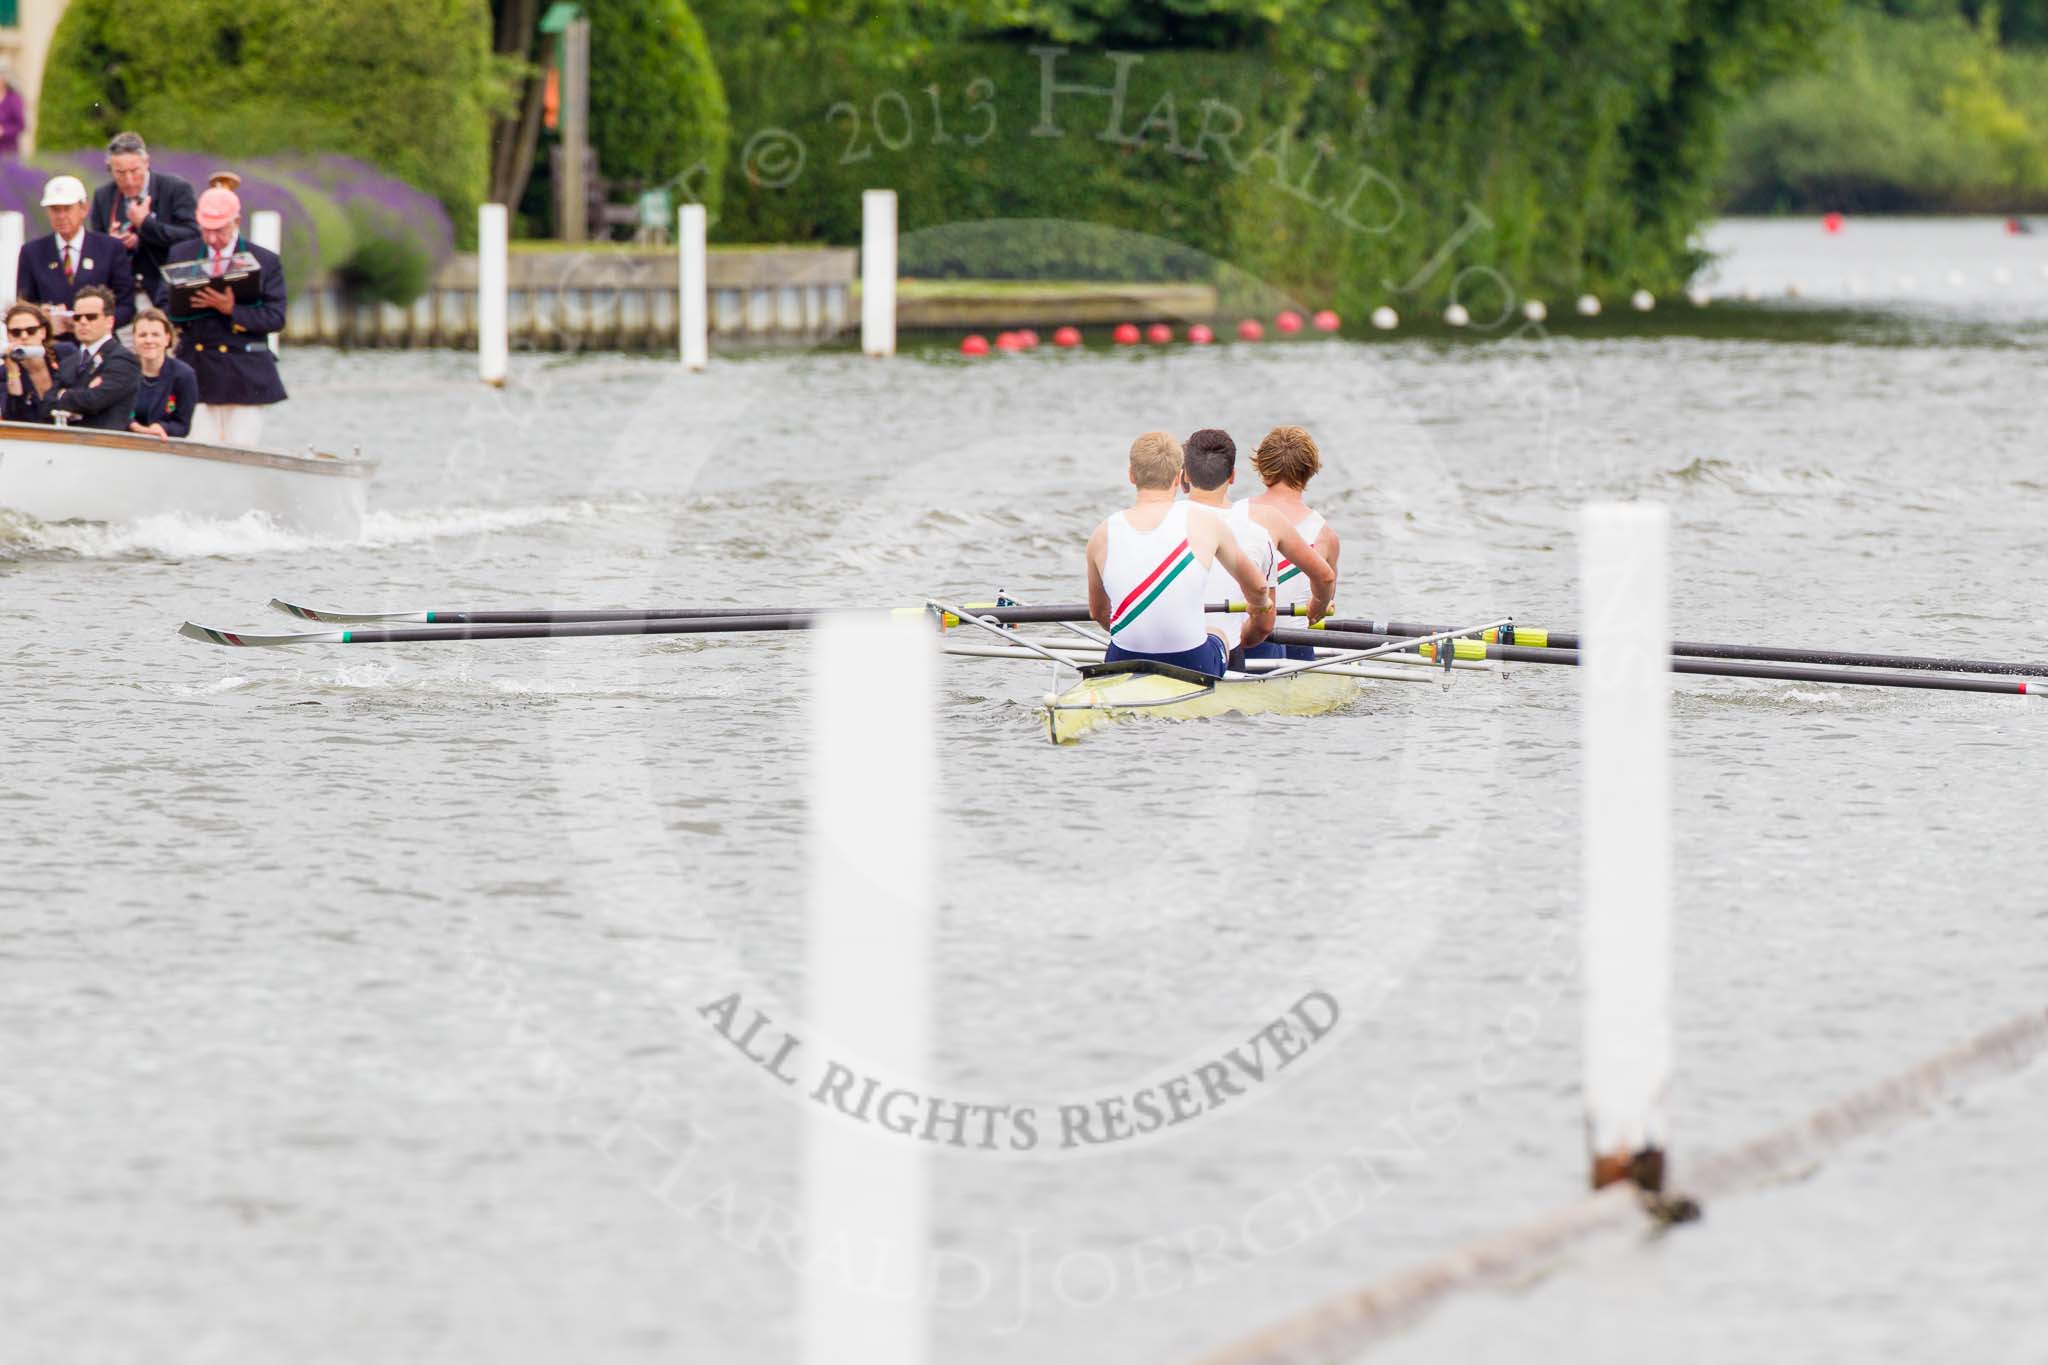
point(1298, 609)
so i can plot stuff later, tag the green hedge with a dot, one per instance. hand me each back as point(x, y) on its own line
point(405, 85)
point(657, 106)
point(1584, 134)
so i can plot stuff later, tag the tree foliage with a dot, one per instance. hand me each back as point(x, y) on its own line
point(406, 85)
point(1927, 113)
point(657, 105)
point(1389, 149)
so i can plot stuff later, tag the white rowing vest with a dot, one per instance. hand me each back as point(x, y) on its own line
point(1155, 585)
point(1291, 587)
point(1223, 587)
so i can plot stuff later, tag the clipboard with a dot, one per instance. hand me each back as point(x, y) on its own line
point(243, 277)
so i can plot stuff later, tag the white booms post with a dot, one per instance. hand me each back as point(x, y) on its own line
point(1625, 688)
point(874, 761)
point(492, 348)
point(878, 272)
point(266, 229)
point(693, 304)
point(10, 255)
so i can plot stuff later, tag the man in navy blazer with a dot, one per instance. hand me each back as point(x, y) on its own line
point(51, 270)
point(148, 211)
point(227, 344)
point(96, 384)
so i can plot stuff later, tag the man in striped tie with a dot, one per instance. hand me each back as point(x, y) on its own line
point(51, 270)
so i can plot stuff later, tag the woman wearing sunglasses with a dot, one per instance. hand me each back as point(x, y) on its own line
point(32, 361)
point(170, 390)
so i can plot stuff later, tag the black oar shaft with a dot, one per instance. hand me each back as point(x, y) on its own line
point(1346, 639)
point(1556, 639)
point(539, 630)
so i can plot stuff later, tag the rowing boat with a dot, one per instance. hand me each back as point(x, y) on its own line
point(1135, 687)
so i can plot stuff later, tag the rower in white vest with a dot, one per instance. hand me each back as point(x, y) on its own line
point(1148, 570)
point(1208, 469)
point(1286, 460)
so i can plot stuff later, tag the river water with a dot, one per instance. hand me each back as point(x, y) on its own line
point(354, 995)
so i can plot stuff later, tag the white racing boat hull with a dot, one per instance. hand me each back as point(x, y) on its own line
point(73, 474)
point(1134, 688)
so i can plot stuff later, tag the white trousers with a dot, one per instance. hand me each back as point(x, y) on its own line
point(228, 424)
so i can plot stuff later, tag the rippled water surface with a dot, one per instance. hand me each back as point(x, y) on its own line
point(352, 994)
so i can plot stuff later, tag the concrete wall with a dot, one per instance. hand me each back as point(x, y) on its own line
point(601, 300)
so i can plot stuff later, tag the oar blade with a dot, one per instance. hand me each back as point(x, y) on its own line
point(211, 635)
point(306, 613)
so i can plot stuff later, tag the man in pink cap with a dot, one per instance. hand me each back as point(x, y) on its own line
point(51, 270)
point(226, 343)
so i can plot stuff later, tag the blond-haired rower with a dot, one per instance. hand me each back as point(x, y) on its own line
point(1286, 460)
point(1148, 569)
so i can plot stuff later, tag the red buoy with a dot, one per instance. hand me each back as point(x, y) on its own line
point(1009, 341)
point(974, 344)
point(1200, 335)
point(1067, 336)
point(1250, 330)
point(1159, 334)
point(1028, 337)
point(1327, 320)
point(1126, 334)
point(1289, 322)
point(1832, 222)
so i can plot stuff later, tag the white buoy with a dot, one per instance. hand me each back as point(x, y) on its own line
point(693, 280)
point(1624, 696)
point(492, 348)
point(2001, 276)
point(266, 229)
point(1385, 318)
point(1908, 284)
point(878, 272)
point(1642, 300)
point(1699, 296)
point(874, 763)
point(1750, 293)
point(1456, 316)
point(1955, 279)
point(10, 255)
point(1589, 307)
point(1535, 311)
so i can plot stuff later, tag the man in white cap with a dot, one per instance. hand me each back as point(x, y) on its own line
point(226, 343)
point(52, 269)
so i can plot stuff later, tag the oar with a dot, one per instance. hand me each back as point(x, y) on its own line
point(1012, 616)
point(529, 630)
point(1377, 645)
point(1475, 649)
point(1535, 637)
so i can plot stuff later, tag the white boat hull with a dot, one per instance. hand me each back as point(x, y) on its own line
point(70, 474)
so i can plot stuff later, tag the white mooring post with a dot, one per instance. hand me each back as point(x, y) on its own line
point(878, 272)
point(694, 280)
point(10, 255)
point(874, 764)
point(266, 229)
point(492, 348)
point(1625, 687)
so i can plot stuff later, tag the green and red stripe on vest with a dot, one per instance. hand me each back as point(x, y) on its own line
point(1147, 592)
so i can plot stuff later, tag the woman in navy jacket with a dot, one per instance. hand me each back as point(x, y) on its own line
point(169, 392)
